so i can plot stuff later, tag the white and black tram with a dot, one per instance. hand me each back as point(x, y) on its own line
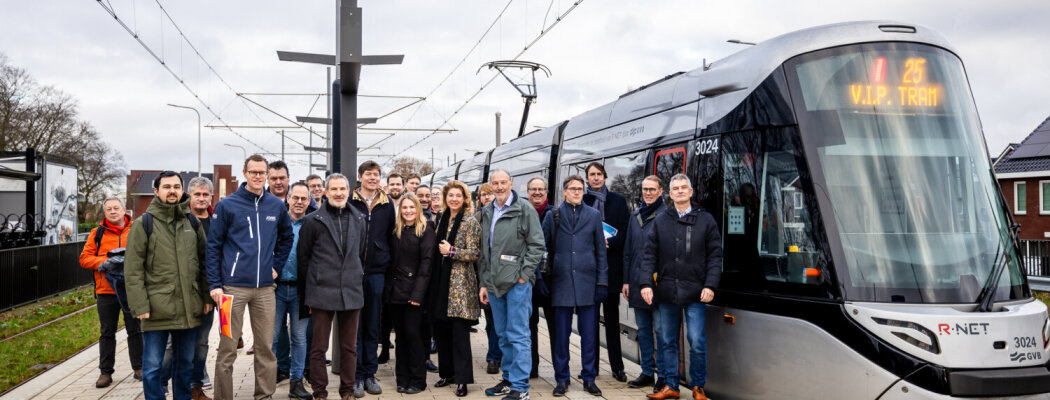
point(868, 251)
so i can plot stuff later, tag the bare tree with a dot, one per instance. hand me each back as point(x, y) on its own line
point(45, 118)
point(405, 165)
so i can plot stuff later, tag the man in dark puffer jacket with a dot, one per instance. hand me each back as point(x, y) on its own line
point(684, 249)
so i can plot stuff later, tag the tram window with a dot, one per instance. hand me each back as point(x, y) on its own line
point(768, 231)
point(669, 162)
point(625, 176)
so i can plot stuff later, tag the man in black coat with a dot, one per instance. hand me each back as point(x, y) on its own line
point(684, 250)
point(645, 315)
point(331, 242)
point(541, 296)
point(615, 213)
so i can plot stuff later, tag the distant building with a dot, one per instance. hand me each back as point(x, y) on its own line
point(140, 186)
point(1023, 172)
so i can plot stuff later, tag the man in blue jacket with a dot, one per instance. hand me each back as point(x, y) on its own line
point(613, 209)
point(576, 241)
point(684, 250)
point(645, 316)
point(248, 242)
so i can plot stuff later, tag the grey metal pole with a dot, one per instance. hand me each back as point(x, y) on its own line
point(243, 151)
point(328, 126)
point(198, 134)
point(498, 115)
point(282, 144)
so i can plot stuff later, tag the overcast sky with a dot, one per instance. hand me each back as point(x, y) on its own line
point(601, 49)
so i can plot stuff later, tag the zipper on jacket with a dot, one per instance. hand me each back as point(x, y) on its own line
point(251, 235)
point(234, 267)
point(258, 239)
point(368, 229)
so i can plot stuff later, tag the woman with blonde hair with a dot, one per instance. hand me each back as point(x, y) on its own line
point(405, 291)
point(454, 304)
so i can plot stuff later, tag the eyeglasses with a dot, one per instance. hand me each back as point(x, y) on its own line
point(297, 199)
point(574, 189)
point(255, 173)
point(650, 190)
point(537, 190)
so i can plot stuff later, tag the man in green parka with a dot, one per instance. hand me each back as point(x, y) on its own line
point(166, 286)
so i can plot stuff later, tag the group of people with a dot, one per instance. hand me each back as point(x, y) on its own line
point(344, 261)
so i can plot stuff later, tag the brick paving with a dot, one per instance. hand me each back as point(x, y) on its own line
point(75, 378)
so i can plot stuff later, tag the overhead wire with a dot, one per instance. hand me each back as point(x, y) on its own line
point(543, 32)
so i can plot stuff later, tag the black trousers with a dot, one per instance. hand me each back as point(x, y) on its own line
point(610, 310)
point(409, 353)
point(386, 325)
point(108, 314)
point(534, 323)
point(453, 342)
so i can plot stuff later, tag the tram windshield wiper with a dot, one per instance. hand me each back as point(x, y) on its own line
point(987, 296)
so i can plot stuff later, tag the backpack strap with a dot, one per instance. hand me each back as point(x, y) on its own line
point(98, 237)
point(147, 224)
point(196, 223)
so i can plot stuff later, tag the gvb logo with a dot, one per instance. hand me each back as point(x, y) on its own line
point(1021, 357)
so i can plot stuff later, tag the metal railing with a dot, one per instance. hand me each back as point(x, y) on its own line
point(1036, 256)
point(34, 272)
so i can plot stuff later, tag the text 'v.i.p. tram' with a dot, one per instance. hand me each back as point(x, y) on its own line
point(868, 252)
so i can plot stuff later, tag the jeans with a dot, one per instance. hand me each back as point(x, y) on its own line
point(201, 357)
point(511, 314)
point(368, 327)
point(670, 322)
point(108, 314)
point(494, 353)
point(648, 322)
point(586, 324)
point(288, 309)
point(283, 350)
point(184, 346)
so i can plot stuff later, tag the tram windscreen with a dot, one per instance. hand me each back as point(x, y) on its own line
point(893, 137)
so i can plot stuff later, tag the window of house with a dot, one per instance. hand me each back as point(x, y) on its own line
point(1020, 198)
point(1044, 197)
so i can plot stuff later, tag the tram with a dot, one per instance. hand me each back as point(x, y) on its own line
point(868, 251)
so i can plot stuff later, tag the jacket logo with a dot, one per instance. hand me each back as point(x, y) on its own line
point(271, 218)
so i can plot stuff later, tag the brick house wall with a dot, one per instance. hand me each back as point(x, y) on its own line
point(1034, 224)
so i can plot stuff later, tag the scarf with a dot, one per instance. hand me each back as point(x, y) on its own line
point(647, 210)
point(439, 282)
point(539, 210)
point(599, 198)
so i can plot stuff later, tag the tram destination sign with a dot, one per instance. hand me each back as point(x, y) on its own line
point(898, 82)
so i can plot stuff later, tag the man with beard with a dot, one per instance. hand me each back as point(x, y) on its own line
point(395, 186)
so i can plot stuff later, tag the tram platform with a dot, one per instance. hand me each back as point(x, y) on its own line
point(75, 378)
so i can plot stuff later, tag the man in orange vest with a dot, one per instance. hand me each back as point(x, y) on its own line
point(111, 233)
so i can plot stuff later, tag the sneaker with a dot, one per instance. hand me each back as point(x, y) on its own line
point(561, 388)
point(372, 387)
point(359, 389)
point(503, 387)
point(516, 395)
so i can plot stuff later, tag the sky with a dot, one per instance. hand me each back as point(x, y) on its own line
point(596, 51)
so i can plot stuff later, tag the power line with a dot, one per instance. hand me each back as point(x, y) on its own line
point(109, 10)
point(543, 32)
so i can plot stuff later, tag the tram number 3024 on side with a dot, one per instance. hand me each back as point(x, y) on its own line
point(707, 146)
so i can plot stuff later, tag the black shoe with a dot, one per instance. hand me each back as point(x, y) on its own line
point(659, 384)
point(431, 367)
point(433, 347)
point(240, 343)
point(473, 330)
point(642, 381)
point(620, 376)
point(384, 356)
point(412, 390)
point(297, 391)
point(444, 382)
point(461, 390)
point(492, 367)
point(561, 388)
point(400, 389)
point(516, 395)
point(591, 388)
point(503, 387)
point(535, 373)
point(282, 376)
point(389, 345)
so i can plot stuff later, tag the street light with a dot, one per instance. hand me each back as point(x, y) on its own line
point(243, 151)
point(198, 134)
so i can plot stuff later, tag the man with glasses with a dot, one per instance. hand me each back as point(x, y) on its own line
point(645, 317)
point(249, 241)
point(316, 185)
point(286, 293)
point(684, 250)
point(580, 270)
point(541, 297)
point(615, 213)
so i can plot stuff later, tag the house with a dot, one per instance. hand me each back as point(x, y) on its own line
point(1023, 172)
point(140, 186)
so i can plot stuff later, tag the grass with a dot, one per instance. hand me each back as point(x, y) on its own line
point(48, 345)
point(29, 316)
point(1042, 296)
